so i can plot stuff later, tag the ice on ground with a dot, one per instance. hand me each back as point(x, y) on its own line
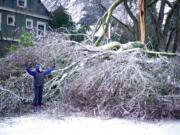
point(48, 125)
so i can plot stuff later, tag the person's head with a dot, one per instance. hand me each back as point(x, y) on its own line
point(38, 67)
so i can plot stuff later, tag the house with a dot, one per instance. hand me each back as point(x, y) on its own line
point(18, 15)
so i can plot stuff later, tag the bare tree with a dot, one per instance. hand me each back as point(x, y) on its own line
point(153, 25)
point(105, 20)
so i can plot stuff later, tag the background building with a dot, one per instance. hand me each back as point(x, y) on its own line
point(18, 15)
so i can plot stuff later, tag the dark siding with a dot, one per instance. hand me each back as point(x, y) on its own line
point(33, 6)
point(37, 7)
point(20, 20)
point(20, 24)
point(7, 31)
point(8, 3)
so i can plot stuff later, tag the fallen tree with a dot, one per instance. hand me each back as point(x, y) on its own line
point(127, 82)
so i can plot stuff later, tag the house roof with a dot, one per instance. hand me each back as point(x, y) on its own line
point(45, 8)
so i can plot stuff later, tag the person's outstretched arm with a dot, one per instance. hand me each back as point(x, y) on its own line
point(48, 70)
point(30, 71)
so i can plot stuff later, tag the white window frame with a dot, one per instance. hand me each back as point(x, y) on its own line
point(29, 20)
point(25, 4)
point(44, 24)
point(0, 21)
point(14, 20)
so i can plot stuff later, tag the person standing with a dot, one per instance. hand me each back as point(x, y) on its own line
point(38, 83)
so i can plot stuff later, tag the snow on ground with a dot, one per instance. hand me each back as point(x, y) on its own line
point(48, 125)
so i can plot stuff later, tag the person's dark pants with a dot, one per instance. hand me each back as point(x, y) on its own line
point(38, 90)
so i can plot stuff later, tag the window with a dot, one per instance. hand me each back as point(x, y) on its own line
point(11, 20)
point(41, 29)
point(29, 23)
point(22, 3)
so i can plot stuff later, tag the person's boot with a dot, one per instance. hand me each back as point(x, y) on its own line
point(38, 108)
point(35, 108)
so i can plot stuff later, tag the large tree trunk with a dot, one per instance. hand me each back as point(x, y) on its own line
point(169, 39)
point(157, 33)
point(168, 19)
point(142, 21)
point(134, 19)
point(155, 24)
point(161, 14)
point(177, 38)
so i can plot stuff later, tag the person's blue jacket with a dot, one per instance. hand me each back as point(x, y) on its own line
point(39, 75)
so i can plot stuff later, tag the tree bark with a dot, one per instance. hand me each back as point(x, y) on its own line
point(142, 21)
point(161, 14)
point(177, 38)
point(134, 19)
point(158, 32)
point(169, 38)
point(168, 20)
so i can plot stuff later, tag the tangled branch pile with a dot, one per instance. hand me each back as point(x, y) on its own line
point(95, 81)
